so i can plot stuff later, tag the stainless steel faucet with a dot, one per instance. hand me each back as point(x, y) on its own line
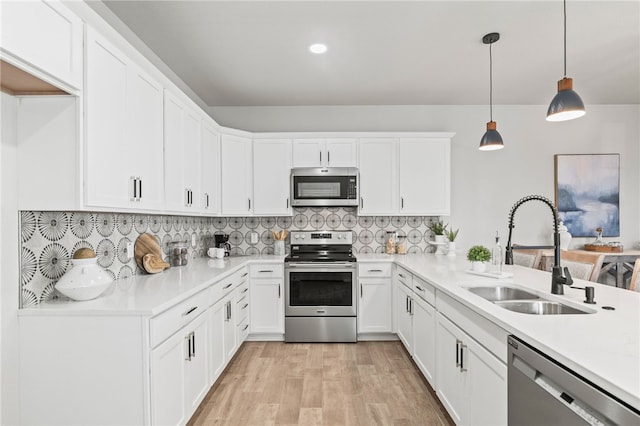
point(558, 279)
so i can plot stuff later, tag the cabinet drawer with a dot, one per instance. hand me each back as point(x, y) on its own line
point(227, 285)
point(243, 290)
point(403, 276)
point(242, 309)
point(425, 290)
point(271, 270)
point(243, 330)
point(374, 270)
point(170, 321)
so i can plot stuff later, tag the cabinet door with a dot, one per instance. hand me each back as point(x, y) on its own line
point(374, 309)
point(167, 381)
point(424, 338)
point(450, 382)
point(210, 170)
point(236, 164)
point(196, 367)
point(230, 329)
point(145, 147)
point(378, 176)
point(217, 323)
point(308, 152)
point(267, 305)
point(57, 52)
point(192, 159)
point(107, 140)
point(425, 181)
point(405, 326)
point(271, 174)
point(486, 386)
point(341, 152)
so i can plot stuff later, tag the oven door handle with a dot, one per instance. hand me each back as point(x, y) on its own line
point(321, 265)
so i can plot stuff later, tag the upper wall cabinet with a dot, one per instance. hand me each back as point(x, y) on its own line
point(339, 152)
point(425, 176)
point(182, 155)
point(236, 173)
point(271, 174)
point(210, 169)
point(43, 38)
point(124, 129)
point(406, 176)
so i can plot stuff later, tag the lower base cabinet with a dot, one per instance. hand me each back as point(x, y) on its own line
point(472, 382)
point(404, 312)
point(424, 338)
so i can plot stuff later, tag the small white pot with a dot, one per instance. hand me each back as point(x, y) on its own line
point(479, 266)
point(451, 252)
point(85, 280)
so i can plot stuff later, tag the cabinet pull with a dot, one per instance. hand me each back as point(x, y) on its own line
point(249, 203)
point(188, 338)
point(266, 271)
point(186, 197)
point(245, 274)
point(135, 188)
point(190, 310)
point(206, 196)
point(375, 270)
point(139, 189)
point(361, 203)
point(245, 306)
point(419, 288)
point(320, 157)
point(287, 202)
point(360, 290)
point(245, 290)
point(462, 352)
point(227, 286)
point(278, 291)
point(328, 157)
point(406, 304)
point(402, 202)
point(245, 327)
point(458, 352)
point(410, 306)
point(401, 275)
point(193, 344)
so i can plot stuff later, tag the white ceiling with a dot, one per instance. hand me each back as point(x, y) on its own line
point(254, 53)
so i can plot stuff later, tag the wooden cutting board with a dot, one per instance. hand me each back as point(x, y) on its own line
point(146, 244)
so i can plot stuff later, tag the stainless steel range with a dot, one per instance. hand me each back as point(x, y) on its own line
point(320, 287)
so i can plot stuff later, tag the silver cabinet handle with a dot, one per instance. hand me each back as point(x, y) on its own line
point(361, 203)
point(320, 311)
point(462, 353)
point(375, 270)
point(193, 344)
point(245, 327)
point(360, 290)
point(266, 271)
point(419, 288)
point(278, 291)
point(249, 203)
point(401, 275)
point(244, 275)
point(245, 306)
point(135, 188)
point(227, 286)
point(287, 202)
point(458, 343)
point(188, 339)
point(139, 189)
point(406, 304)
point(320, 157)
point(244, 290)
point(402, 202)
point(328, 157)
point(410, 306)
point(188, 311)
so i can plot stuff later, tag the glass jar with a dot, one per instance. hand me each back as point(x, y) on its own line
point(390, 242)
point(401, 245)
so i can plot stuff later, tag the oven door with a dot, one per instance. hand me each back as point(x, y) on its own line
point(320, 289)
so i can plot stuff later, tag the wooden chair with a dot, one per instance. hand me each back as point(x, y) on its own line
point(584, 265)
point(634, 284)
point(529, 258)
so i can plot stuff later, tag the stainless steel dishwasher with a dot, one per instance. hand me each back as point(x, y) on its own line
point(544, 392)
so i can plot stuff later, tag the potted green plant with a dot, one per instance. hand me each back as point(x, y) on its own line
point(438, 228)
point(451, 245)
point(479, 256)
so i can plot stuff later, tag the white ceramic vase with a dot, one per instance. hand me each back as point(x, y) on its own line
point(451, 249)
point(85, 280)
point(479, 266)
point(565, 236)
point(441, 241)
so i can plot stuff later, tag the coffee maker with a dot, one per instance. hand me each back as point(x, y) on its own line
point(222, 241)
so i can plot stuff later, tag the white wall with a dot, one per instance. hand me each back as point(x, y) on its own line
point(486, 184)
point(9, 278)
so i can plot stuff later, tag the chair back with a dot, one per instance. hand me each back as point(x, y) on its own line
point(529, 258)
point(584, 265)
point(634, 284)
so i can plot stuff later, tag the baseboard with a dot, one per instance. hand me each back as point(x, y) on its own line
point(265, 337)
point(377, 336)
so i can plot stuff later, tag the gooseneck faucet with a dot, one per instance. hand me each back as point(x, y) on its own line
point(558, 279)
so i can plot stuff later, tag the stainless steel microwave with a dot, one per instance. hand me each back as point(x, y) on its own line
point(322, 186)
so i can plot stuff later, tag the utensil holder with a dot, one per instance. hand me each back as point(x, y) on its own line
point(278, 247)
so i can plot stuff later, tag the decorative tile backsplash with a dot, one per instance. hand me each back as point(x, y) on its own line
point(49, 239)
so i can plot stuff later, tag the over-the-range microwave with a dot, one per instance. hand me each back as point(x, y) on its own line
point(322, 186)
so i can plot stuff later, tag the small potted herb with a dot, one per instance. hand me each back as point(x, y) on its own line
point(451, 236)
point(478, 256)
point(438, 228)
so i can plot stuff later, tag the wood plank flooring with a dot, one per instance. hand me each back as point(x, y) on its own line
point(275, 383)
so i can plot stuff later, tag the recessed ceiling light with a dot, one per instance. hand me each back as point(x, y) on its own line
point(318, 48)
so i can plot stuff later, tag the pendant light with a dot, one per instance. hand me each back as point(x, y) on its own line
point(566, 105)
point(491, 140)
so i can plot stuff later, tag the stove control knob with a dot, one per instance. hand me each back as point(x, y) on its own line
point(303, 236)
point(297, 236)
point(339, 236)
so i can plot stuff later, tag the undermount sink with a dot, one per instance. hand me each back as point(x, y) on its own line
point(522, 301)
point(539, 307)
point(500, 293)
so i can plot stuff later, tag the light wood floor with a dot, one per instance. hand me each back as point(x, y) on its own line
point(275, 383)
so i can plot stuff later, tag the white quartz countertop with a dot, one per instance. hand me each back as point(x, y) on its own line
point(149, 295)
point(603, 347)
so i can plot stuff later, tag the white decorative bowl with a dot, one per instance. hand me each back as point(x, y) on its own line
point(84, 281)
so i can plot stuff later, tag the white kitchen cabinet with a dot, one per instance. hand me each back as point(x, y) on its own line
point(182, 155)
point(424, 176)
point(271, 175)
point(179, 375)
point(404, 310)
point(336, 152)
point(123, 151)
point(471, 365)
point(378, 176)
point(210, 170)
point(45, 39)
point(237, 177)
point(267, 300)
point(218, 361)
point(424, 338)
point(230, 327)
point(375, 305)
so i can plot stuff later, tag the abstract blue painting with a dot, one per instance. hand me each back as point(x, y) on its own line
point(588, 193)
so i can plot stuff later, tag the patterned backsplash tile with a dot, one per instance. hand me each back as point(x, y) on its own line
point(49, 239)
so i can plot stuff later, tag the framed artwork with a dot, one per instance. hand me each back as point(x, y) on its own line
point(587, 191)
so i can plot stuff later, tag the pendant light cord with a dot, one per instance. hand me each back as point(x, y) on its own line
point(565, 37)
point(490, 84)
